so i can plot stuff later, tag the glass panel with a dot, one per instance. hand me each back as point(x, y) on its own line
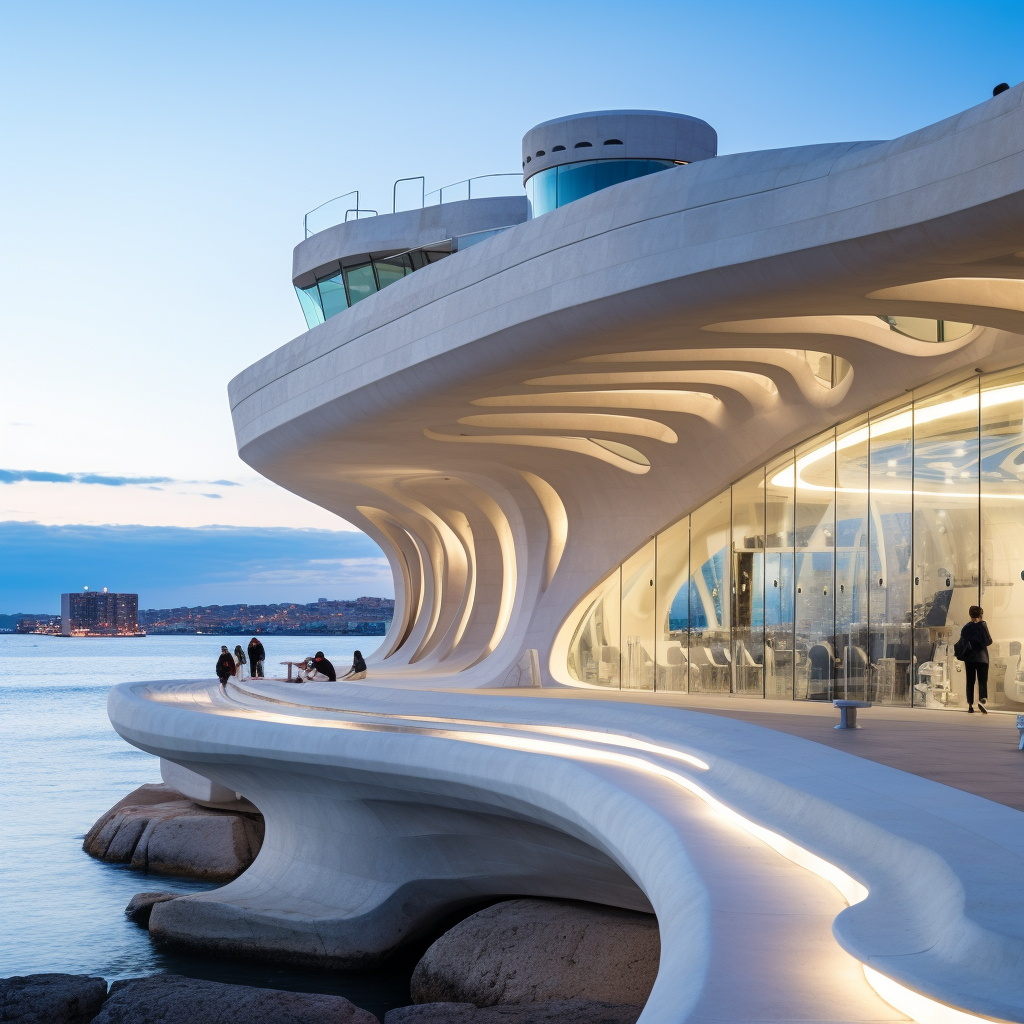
point(779, 581)
point(852, 534)
point(637, 629)
point(589, 176)
point(390, 272)
point(710, 667)
point(576, 181)
point(889, 552)
point(309, 300)
point(332, 294)
point(594, 650)
point(360, 282)
point(673, 613)
point(1002, 534)
point(542, 191)
point(945, 539)
point(815, 542)
point(748, 585)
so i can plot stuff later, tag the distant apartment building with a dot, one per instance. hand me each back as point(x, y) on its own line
point(99, 613)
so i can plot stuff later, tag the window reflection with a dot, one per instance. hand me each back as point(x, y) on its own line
point(361, 282)
point(891, 459)
point(673, 600)
point(748, 582)
point(594, 650)
point(845, 568)
point(814, 534)
point(710, 639)
point(637, 620)
point(558, 186)
point(309, 300)
point(1002, 534)
point(332, 295)
point(945, 581)
point(780, 582)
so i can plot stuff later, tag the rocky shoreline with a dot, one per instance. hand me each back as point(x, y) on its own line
point(157, 830)
point(523, 961)
point(520, 961)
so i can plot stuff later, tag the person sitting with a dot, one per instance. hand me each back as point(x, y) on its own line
point(320, 670)
point(225, 667)
point(358, 669)
point(257, 655)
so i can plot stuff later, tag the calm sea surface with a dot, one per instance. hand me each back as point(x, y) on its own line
point(62, 766)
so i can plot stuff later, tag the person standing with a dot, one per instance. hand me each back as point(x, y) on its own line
point(975, 658)
point(257, 655)
point(239, 661)
point(225, 667)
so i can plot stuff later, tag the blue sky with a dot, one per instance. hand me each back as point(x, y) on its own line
point(159, 159)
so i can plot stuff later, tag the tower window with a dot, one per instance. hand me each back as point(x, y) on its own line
point(557, 149)
point(540, 152)
point(582, 145)
point(613, 142)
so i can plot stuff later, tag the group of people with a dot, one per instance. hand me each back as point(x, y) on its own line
point(316, 669)
point(234, 665)
point(319, 670)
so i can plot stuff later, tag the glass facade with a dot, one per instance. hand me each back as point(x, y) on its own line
point(557, 186)
point(844, 568)
point(355, 278)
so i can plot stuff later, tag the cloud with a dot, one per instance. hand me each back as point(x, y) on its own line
point(171, 566)
point(14, 476)
point(212, 495)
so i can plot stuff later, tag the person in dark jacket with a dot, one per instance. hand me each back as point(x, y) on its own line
point(322, 666)
point(977, 635)
point(257, 655)
point(358, 669)
point(225, 667)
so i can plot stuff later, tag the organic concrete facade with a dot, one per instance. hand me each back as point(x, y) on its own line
point(509, 424)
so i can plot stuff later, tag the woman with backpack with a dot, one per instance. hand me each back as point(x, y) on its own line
point(972, 650)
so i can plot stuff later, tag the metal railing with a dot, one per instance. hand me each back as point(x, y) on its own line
point(394, 191)
point(467, 185)
point(331, 217)
point(490, 185)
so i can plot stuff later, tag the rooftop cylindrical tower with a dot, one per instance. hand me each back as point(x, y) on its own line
point(573, 156)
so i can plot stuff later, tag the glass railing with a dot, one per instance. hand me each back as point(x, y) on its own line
point(413, 196)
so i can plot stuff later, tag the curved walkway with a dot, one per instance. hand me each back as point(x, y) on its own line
point(386, 808)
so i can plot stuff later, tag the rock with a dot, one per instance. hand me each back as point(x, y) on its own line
point(542, 951)
point(51, 998)
point(141, 905)
point(567, 1011)
point(156, 829)
point(169, 999)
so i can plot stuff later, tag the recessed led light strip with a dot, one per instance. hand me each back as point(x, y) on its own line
point(593, 736)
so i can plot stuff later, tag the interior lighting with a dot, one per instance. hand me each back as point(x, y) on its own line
point(901, 421)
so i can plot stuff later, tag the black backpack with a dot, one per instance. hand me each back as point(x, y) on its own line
point(962, 648)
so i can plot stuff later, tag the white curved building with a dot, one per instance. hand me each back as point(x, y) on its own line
point(747, 424)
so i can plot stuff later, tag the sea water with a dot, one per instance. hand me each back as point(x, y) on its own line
point(62, 765)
